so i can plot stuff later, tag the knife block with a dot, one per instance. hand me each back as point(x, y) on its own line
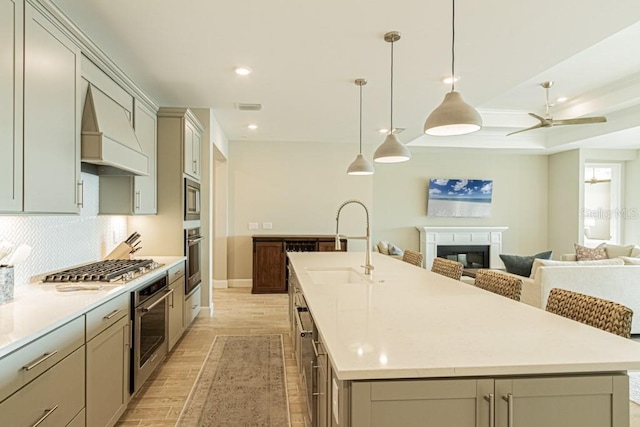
point(122, 251)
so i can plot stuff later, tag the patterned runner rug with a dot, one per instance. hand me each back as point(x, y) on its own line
point(242, 383)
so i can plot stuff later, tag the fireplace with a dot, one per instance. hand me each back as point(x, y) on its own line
point(476, 256)
point(463, 238)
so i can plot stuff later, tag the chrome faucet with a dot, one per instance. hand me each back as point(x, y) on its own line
point(368, 268)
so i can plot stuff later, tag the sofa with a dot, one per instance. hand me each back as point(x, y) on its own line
point(618, 283)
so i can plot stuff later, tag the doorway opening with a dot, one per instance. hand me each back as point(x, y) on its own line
point(602, 209)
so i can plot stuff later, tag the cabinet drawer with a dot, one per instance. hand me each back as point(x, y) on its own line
point(192, 306)
point(176, 272)
point(100, 318)
point(27, 363)
point(57, 394)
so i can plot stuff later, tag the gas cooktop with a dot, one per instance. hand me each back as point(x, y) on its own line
point(104, 271)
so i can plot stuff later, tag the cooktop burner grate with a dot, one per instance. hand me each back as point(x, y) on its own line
point(101, 271)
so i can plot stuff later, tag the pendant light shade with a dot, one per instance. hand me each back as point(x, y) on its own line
point(360, 166)
point(391, 150)
point(453, 116)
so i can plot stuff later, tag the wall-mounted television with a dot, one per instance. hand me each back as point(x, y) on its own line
point(459, 197)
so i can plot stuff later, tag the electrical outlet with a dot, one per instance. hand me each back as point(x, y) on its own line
point(267, 225)
point(253, 226)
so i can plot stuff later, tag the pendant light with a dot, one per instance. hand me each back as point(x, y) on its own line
point(453, 116)
point(360, 166)
point(391, 150)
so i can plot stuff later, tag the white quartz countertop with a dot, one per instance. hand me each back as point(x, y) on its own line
point(412, 323)
point(38, 308)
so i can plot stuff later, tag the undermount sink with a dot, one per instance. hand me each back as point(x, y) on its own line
point(336, 275)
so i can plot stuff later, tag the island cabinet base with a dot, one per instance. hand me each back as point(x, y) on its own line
point(550, 401)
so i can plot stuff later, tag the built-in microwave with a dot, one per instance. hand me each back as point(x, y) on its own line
point(191, 200)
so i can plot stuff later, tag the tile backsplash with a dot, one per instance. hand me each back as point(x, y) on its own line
point(60, 241)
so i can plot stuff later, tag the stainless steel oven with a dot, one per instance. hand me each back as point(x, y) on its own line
point(150, 315)
point(192, 250)
point(191, 200)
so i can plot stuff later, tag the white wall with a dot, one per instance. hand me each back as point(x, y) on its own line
point(63, 241)
point(631, 222)
point(519, 196)
point(566, 176)
point(298, 187)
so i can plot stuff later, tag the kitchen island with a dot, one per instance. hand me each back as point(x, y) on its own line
point(410, 347)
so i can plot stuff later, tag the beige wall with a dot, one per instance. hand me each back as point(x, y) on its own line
point(631, 223)
point(566, 176)
point(519, 196)
point(298, 187)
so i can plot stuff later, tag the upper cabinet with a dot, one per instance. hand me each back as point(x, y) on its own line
point(145, 191)
point(51, 118)
point(11, 42)
point(192, 139)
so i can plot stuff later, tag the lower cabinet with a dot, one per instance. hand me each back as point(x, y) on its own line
point(176, 305)
point(192, 306)
point(55, 398)
point(108, 374)
point(571, 401)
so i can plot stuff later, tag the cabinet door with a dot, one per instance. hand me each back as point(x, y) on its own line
point(269, 267)
point(196, 145)
point(11, 49)
point(145, 186)
point(51, 125)
point(176, 311)
point(563, 402)
point(192, 306)
point(108, 374)
point(189, 161)
point(330, 246)
point(424, 403)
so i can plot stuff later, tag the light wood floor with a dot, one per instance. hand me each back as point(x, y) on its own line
point(237, 312)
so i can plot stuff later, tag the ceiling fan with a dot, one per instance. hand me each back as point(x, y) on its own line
point(548, 121)
point(595, 180)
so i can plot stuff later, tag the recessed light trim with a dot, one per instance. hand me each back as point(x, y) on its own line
point(252, 126)
point(243, 70)
point(449, 79)
point(561, 99)
point(383, 130)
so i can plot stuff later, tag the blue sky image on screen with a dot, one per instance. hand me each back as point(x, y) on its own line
point(460, 197)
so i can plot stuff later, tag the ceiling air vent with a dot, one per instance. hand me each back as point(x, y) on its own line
point(249, 107)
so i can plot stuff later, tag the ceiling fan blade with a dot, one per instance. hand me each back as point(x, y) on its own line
point(579, 121)
point(544, 121)
point(539, 125)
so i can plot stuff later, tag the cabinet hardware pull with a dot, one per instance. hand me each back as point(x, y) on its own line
point(301, 331)
point(491, 399)
point(39, 361)
point(112, 314)
point(138, 199)
point(195, 166)
point(81, 193)
point(509, 399)
point(127, 335)
point(316, 394)
point(315, 348)
point(47, 412)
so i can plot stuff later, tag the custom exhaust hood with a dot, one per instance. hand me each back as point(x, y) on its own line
point(108, 139)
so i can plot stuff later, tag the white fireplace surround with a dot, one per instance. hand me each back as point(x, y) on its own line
point(431, 237)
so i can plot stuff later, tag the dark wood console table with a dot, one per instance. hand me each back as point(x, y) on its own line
point(270, 258)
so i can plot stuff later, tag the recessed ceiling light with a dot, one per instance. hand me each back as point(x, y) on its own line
point(448, 80)
point(243, 71)
point(561, 99)
point(253, 126)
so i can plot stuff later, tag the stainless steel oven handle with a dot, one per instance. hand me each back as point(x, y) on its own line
point(193, 241)
point(147, 309)
point(303, 333)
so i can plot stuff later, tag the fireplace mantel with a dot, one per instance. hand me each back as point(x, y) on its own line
point(431, 237)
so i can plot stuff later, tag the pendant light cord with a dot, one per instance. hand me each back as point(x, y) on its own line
point(360, 119)
point(391, 124)
point(453, 44)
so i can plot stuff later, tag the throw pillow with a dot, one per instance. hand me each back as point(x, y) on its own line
point(635, 252)
point(584, 253)
point(394, 250)
point(521, 265)
point(383, 247)
point(614, 251)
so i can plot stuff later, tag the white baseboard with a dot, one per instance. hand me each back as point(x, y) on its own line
point(240, 283)
point(220, 283)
